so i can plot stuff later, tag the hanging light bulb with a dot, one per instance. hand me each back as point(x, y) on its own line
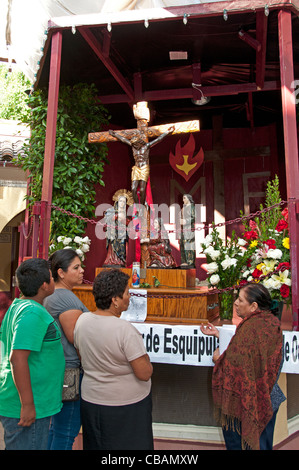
point(185, 18)
point(109, 27)
point(266, 10)
point(203, 99)
point(146, 23)
point(225, 15)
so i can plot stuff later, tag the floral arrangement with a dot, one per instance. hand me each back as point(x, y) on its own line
point(226, 260)
point(260, 254)
point(79, 244)
point(270, 263)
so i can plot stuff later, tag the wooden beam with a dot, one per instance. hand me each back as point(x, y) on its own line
point(138, 86)
point(97, 48)
point(252, 42)
point(184, 93)
point(261, 36)
point(49, 157)
point(291, 149)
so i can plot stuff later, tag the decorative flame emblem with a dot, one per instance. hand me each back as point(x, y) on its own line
point(184, 162)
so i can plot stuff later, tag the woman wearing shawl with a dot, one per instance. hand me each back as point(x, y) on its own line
point(244, 384)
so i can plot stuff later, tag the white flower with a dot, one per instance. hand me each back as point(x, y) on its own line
point(78, 239)
point(59, 239)
point(227, 262)
point(212, 268)
point(214, 279)
point(208, 240)
point(67, 240)
point(84, 247)
point(208, 250)
point(79, 252)
point(241, 242)
point(67, 248)
point(276, 254)
point(282, 278)
point(86, 240)
point(246, 273)
point(214, 254)
point(271, 284)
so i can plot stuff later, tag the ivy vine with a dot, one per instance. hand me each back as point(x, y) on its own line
point(78, 164)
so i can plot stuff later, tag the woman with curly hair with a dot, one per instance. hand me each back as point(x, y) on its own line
point(116, 388)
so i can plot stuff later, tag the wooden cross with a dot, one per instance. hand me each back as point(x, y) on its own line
point(138, 139)
point(150, 132)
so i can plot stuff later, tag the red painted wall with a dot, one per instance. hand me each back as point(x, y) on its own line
point(117, 175)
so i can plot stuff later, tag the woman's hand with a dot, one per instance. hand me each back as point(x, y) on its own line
point(209, 329)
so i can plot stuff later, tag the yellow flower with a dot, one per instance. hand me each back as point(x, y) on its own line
point(253, 243)
point(261, 266)
point(286, 243)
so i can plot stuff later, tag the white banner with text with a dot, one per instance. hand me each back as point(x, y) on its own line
point(187, 345)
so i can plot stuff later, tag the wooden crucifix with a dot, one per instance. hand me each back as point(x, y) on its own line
point(138, 139)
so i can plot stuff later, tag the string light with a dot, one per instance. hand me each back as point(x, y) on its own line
point(146, 23)
point(185, 18)
point(109, 27)
point(266, 10)
point(225, 15)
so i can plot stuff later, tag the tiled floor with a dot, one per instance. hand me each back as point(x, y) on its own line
point(291, 443)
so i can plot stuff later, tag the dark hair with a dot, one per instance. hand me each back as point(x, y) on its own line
point(108, 284)
point(31, 274)
point(259, 294)
point(61, 259)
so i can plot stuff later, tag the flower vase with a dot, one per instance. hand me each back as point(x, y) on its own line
point(226, 305)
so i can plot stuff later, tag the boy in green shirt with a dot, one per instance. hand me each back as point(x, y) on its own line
point(32, 362)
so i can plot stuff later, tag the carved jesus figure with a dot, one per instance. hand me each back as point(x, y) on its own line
point(140, 171)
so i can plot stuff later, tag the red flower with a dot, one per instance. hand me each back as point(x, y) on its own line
point(257, 273)
point(271, 244)
point(283, 266)
point(251, 235)
point(282, 225)
point(284, 291)
point(285, 213)
point(252, 224)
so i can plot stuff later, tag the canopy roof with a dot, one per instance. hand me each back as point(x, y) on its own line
point(229, 49)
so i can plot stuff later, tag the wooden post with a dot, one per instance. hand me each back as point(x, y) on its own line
point(291, 149)
point(50, 144)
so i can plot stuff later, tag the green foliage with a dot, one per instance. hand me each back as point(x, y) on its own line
point(78, 164)
point(267, 221)
point(12, 91)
